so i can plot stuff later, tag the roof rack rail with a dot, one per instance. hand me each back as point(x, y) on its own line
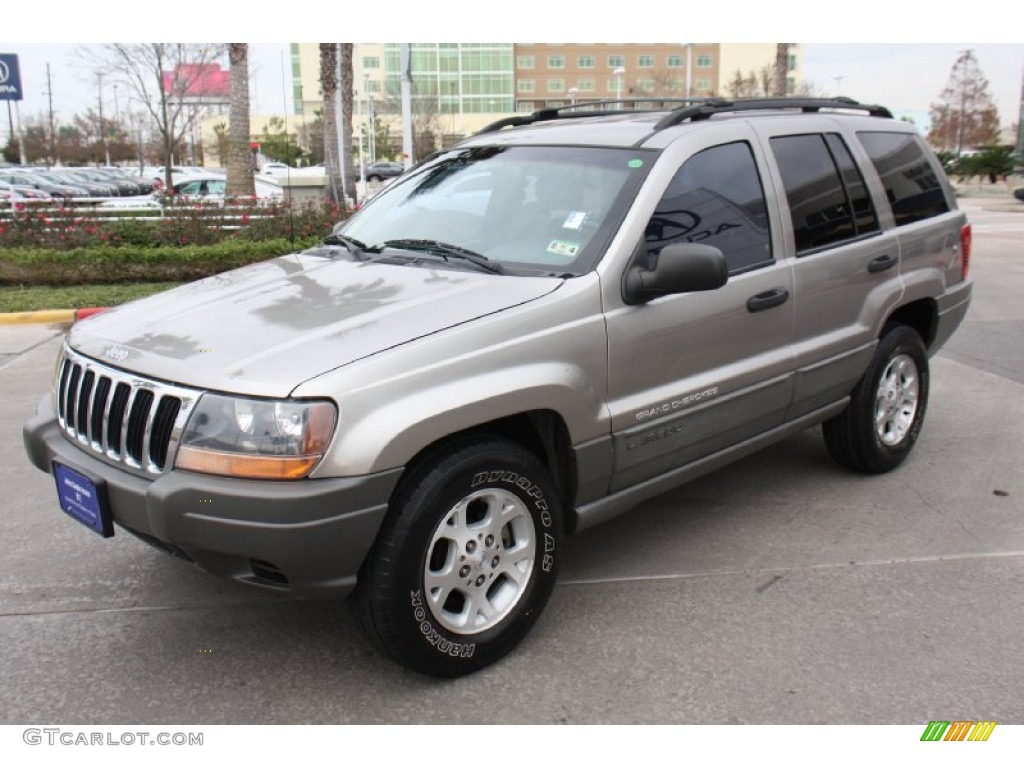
point(588, 109)
point(805, 104)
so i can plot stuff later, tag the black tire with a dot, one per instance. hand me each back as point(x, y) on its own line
point(442, 560)
point(878, 429)
point(374, 178)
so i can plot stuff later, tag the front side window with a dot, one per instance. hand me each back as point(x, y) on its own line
point(716, 198)
point(828, 202)
point(910, 180)
point(549, 209)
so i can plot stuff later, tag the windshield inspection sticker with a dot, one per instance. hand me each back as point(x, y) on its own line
point(575, 220)
point(563, 248)
point(636, 163)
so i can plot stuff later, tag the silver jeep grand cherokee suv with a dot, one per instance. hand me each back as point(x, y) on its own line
point(525, 335)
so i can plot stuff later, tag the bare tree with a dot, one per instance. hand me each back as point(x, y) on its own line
point(160, 76)
point(966, 115)
point(753, 85)
point(426, 115)
point(329, 90)
point(240, 171)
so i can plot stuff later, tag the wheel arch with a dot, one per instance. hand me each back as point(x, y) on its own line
point(542, 432)
point(921, 315)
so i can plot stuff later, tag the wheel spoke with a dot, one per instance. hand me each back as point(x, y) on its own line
point(896, 400)
point(489, 542)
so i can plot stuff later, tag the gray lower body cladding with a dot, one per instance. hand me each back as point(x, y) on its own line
point(306, 538)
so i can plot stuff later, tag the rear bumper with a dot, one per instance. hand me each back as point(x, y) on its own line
point(952, 308)
point(308, 538)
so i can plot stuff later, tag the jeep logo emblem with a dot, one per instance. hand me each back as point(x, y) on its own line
point(116, 353)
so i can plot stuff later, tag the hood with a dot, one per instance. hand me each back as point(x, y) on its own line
point(266, 328)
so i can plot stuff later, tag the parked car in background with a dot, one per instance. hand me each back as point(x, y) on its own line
point(276, 169)
point(212, 187)
point(78, 177)
point(384, 170)
point(19, 192)
point(37, 181)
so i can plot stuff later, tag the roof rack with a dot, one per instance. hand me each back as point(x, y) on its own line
point(718, 106)
point(587, 109)
point(689, 109)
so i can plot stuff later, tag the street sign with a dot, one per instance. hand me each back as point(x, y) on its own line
point(10, 77)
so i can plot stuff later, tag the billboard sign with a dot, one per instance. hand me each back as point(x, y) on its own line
point(10, 77)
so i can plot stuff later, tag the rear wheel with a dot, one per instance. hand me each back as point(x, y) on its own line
point(465, 561)
point(883, 420)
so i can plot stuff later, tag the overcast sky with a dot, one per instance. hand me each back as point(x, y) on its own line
point(903, 70)
point(907, 78)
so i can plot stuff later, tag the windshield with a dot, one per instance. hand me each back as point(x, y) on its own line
point(535, 208)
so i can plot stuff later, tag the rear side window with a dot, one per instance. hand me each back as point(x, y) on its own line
point(828, 201)
point(716, 198)
point(910, 180)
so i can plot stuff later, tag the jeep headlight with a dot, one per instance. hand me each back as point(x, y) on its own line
point(265, 439)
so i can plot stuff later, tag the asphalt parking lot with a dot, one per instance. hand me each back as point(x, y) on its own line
point(781, 589)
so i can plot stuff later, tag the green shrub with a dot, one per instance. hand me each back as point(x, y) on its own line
point(128, 264)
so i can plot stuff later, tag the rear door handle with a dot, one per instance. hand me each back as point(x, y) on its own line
point(767, 300)
point(882, 263)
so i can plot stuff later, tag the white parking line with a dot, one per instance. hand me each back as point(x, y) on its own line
point(794, 568)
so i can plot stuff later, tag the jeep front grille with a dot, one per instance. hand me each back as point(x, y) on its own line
point(124, 419)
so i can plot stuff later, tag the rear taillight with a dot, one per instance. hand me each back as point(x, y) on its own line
point(965, 250)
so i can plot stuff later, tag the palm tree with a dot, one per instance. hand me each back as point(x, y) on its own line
point(240, 171)
point(329, 89)
point(781, 68)
point(347, 92)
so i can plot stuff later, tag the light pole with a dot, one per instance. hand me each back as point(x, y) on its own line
point(839, 80)
point(619, 72)
point(572, 96)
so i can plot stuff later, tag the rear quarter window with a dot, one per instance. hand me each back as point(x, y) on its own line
point(910, 179)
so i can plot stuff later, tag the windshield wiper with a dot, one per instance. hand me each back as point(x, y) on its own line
point(354, 247)
point(446, 251)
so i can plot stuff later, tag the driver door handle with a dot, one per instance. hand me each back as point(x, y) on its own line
point(767, 300)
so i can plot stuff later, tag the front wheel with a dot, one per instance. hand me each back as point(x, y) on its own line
point(465, 560)
point(878, 429)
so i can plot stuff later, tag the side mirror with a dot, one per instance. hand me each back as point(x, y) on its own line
point(681, 268)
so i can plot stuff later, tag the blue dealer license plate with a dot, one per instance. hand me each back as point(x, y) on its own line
point(83, 498)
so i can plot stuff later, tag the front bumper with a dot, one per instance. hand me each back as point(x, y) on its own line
point(306, 537)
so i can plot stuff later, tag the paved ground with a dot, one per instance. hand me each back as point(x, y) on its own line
point(779, 590)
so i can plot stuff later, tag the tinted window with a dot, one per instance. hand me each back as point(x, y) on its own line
point(864, 218)
point(818, 202)
point(716, 198)
point(910, 180)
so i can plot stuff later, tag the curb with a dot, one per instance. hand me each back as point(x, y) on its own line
point(49, 316)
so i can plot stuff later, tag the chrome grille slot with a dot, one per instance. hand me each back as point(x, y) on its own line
point(138, 417)
point(99, 411)
point(72, 392)
point(126, 420)
point(82, 411)
point(160, 434)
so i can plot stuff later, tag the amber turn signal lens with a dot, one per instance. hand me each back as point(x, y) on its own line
point(240, 465)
